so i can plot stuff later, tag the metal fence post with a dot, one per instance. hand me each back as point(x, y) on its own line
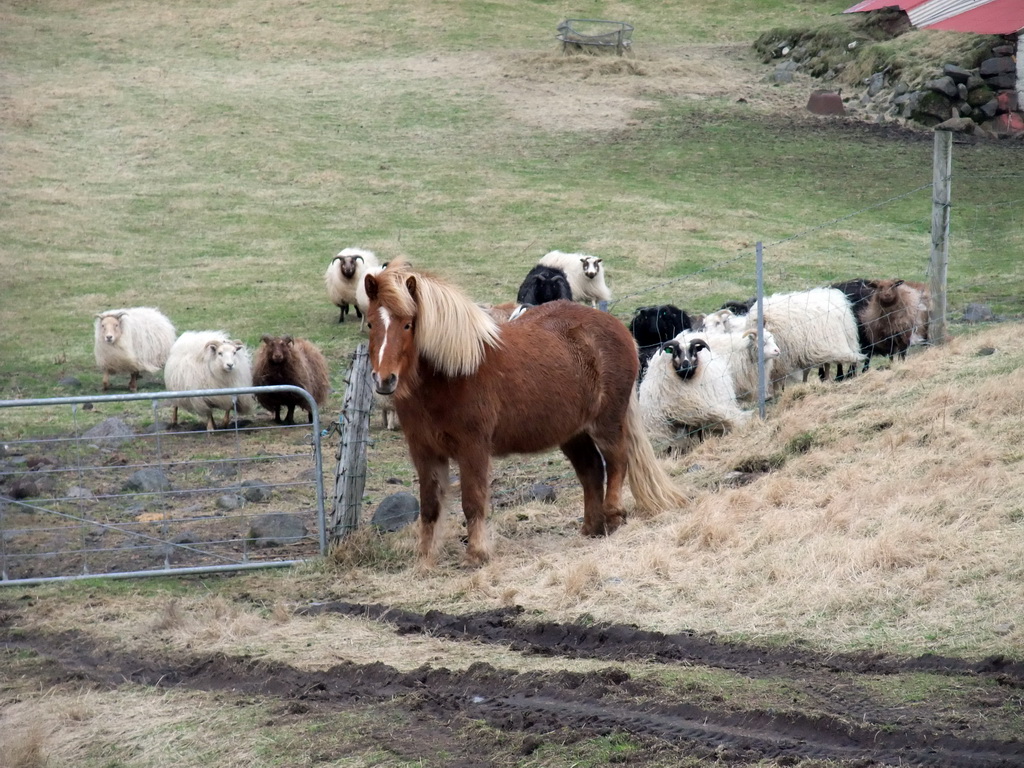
point(350, 478)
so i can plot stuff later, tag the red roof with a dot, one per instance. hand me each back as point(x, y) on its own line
point(874, 5)
point(995, 17)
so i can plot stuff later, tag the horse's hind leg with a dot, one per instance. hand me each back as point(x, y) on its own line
point(475, 476)
point(586, 460)
point(616, 456)
point(433, 474)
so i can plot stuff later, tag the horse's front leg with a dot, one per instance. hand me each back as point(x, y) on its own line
point(475, 476)
point(433, 474)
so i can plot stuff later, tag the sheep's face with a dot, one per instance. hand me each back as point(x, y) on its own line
point(348, 265)
point(722, 321)
point(110, 328)
point(685, 359)
point(591, 266)
point(771, 349)
point(279, 348)
point(886, 291)
point(224, 354)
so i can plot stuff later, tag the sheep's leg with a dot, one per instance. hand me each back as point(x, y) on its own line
point(133, 382)
point(277, 414)
point(586, 460)
point(433, 474)
point(106, 380)
point(224, 424)
point(475, 475)
point(290, 417)
point(342, 311)
point(174, 417)
point(209, 422)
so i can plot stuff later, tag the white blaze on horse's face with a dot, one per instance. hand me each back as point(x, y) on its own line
point(391, 348)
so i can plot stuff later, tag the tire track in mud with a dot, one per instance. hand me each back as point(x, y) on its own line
point(545, 704)
point(618, 642)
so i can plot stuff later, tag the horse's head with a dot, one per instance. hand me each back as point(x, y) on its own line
point(391, 322)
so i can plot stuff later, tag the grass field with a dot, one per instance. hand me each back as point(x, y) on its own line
point(210, 158)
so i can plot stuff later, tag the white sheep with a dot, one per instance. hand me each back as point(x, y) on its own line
point(812, 328)
point(209, 360)
point(688, 393)
point(344, 277)
point(388, 415)
point(741, 351)
point(362, 300)
point(133, 341)
point(585, 274)
point(723, 321)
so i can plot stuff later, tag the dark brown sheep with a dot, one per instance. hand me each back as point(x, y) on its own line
point(285, 360)
point(889, 318)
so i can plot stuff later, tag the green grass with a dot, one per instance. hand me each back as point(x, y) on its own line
point(205, 160)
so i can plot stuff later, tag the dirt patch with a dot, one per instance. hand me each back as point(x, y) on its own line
point(586, 93)
point(847, 724)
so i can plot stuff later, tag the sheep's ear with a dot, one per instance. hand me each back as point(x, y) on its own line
point(267, 338)
point(896, 282)
point(750, 334)
point(872, 284)
point(357, 258)
point(211, 346)
point(288, 339)
point(119, 315)
point(597, 261)
point(238, 344)
point(372, 287)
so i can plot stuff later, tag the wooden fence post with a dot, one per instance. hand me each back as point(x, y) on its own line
point(942, 171)
point(350, 477)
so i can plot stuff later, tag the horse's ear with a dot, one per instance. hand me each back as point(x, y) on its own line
point(372, 289)
point(410, 283)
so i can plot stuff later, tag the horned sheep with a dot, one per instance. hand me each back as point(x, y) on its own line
point(287, 360)
point(687, 394)
point(584, 272)
point(344, 275)
point(134, 341)
point(208, 360)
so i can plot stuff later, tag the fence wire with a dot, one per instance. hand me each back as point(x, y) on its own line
point(126, 495)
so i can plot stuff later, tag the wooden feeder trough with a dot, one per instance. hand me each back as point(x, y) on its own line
point(595, 34)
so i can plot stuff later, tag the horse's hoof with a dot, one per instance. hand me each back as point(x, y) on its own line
point(475, 559)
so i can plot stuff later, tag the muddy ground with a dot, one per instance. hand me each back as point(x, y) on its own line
point(841, 719)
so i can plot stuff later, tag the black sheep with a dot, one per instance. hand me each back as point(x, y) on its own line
point(543, 284)
point(653, 326)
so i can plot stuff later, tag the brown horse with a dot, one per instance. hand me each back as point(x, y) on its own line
point(467, 388)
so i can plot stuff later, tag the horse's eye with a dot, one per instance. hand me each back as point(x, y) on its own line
point(369, 325)
point(408, 326)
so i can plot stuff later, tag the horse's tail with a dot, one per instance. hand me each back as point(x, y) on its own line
point(653, 490)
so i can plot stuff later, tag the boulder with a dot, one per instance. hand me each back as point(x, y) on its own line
point(997, 65)
point(826, 103)
point(148, 481)
point(276, 529)
point(956, 74)
point(943, 85)
point(395, 512)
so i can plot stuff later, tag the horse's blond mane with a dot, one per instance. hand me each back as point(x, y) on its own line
point(452, 332)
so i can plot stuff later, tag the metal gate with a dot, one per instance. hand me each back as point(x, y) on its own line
point(102, 486)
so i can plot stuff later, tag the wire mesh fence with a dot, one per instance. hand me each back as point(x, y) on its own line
point(102, 486)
